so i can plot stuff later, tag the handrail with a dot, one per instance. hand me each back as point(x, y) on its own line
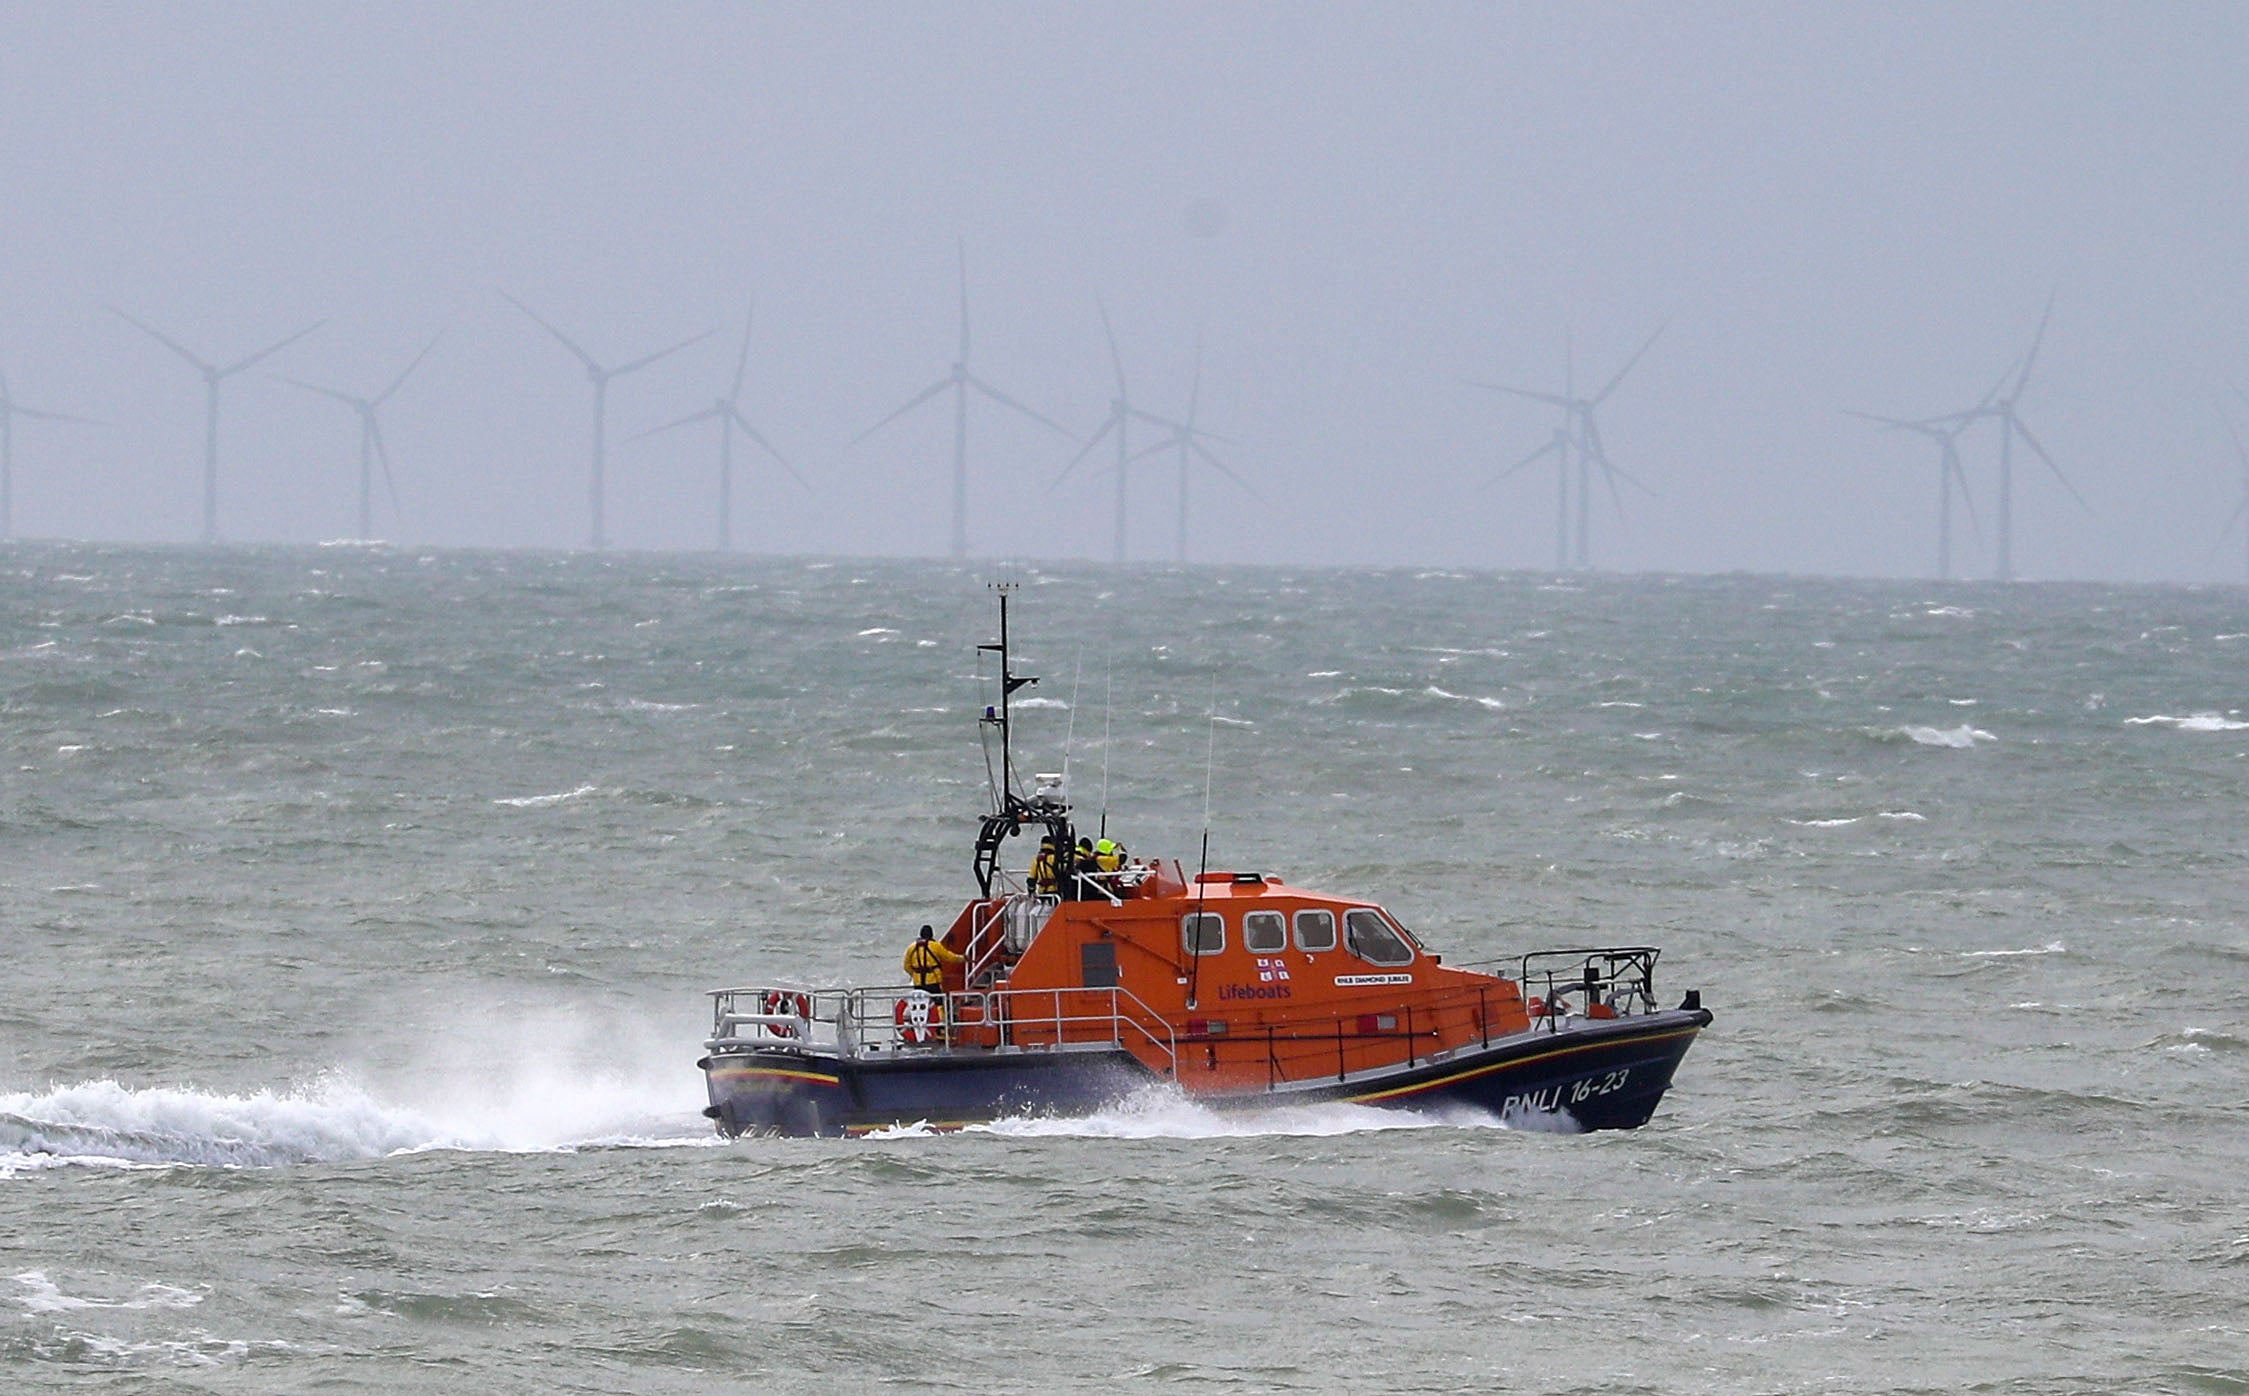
point(837, 1019)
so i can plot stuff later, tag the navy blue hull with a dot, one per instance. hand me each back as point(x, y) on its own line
point(1597, 1075)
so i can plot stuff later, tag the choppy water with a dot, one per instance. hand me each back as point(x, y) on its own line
point(355, 908)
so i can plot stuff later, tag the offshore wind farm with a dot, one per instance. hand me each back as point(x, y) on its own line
point(1839, 579)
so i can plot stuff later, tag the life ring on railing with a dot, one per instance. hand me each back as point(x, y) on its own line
point(780, 1001)
point(918, 1015)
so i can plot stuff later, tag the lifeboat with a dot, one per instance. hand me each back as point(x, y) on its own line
point(1073, 982)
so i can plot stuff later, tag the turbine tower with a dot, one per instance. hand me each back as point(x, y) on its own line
point(960, 380)
point(10, 409)
point(1120, 417)
point(371, 446)
point(599, 377)
point(213, 376)
point(2011, 425)
point(729, 416)
point(1580, 433)
point(1187, 439)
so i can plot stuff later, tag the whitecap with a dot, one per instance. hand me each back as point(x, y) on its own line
point(1041, 703)
point(1961, 738)
point(876, 630)
point(2193, 722)
point(46, 1297)
point(542, 801)
point(2050, 948)
point(1492, 703)
point(1826, 823)
point(1903, 816)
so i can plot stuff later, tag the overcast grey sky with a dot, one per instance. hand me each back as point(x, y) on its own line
point(1831, 206)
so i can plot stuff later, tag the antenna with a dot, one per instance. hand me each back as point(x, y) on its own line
point(1202, 888)
point(1070, 729)
point(1108, 692)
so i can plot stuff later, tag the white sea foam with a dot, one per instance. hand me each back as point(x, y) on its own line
point(2050, 948)
point(46, 1297)
point(1903, 816)
point(1960, 738)
point(1827, 823)
point(1492, 703)
point(1042, 703)
point(1165, 1113)
point(882, 630)
point(540, 1100)
point(2192, 722)
point(542, 801)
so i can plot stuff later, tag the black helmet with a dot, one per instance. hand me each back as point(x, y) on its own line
point(927, 932)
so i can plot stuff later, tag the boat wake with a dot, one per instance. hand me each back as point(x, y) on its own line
point(331, 1119)
point(1163, 1112)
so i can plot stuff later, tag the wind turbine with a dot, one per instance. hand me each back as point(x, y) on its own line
point(1580, 430)
point(1120, 417)
point(213, 375)
point(2241, 510)
point(599, 377)
point(10, 409)
point(960, 380)
point(1187, 439)
point(371, 446)
point(2011, 425)
point(1949, 473)
point(1559, 445)
point(729, 416)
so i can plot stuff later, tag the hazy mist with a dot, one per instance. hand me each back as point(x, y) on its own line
point(1355, 207)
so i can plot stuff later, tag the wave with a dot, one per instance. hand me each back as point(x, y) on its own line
point(2192, 722)
point(2050, 948)
point(543, 801)
point(1961, 738)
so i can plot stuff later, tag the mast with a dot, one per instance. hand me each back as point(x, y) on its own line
point(1001, 717)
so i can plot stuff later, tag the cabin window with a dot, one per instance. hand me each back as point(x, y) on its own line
point(1315, 930)
point(1373, 939)
point(1203, 933)
point(1264, 933)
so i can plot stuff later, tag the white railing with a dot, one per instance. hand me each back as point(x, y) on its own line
point(875, 1021)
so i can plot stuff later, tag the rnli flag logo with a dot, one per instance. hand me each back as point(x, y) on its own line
point(1270, 971)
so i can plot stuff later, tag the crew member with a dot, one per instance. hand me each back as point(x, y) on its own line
point(1043, 867)
point(1108, 855)
point(926, 959)
point(1083, 868)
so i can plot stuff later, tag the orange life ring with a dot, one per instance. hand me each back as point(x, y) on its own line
point(779, 1001)
point(919, 1016)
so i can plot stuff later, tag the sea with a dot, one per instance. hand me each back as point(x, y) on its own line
point(358, 907)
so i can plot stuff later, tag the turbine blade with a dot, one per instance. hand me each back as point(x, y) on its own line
point(705, 415)
point(911, 403)
point(2039, 447)
point(1609, 474)
point(1114, 357)
point(646, 359)
point(16, 409)
point(1195, 385)
point(960, 247)
point(1959, 476)
point(1224, 469)
point(269, 351)
point(1645, 345)
point(1169, 443)
point(742, 362)
point(382, 456)
point(1083, 451)
point(1005, 401)
point(406, 372)
point(2233, 521)
point(566, 341)
point(345, 398)
point(1552, 444)
point(1549, 398)
point(2032, 357)
point(766, 446)
point(1885, 421)
point(161, 338)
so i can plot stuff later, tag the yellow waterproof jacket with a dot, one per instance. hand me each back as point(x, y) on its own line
point(926, 961)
